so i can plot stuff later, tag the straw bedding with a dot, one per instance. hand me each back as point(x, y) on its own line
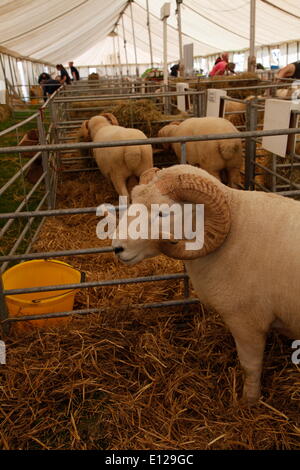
point(133, 378)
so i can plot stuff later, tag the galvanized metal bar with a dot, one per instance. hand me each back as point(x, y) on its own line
point(51, 213)
point(129, 97)
point(45, 162)
point(25, 200)
point(18, 125)
point(19, 173)
point(277, 175)
point(36, 233)
point(56, 254)
point(183, 153)
point(78, 170)
point(290, 193)
point(85, 285)
point(250, 147)
point(152, 140)
point(169, 303)
point(22, 235)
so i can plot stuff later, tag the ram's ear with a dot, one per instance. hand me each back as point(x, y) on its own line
point(84, 133)
point(148, 175)
point(111, 118)
point(175, 123)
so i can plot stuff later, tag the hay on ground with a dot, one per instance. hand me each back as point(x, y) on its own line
point(131, 378)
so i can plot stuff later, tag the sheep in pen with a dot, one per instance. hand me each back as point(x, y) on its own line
point(134, 377)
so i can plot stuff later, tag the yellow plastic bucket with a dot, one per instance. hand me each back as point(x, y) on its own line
point(40, 273)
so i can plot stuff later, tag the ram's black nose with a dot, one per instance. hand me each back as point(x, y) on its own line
point(118, 249)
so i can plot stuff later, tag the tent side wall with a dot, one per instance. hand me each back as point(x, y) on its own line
point(18, 74)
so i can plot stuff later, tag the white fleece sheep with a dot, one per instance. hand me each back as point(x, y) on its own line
point(249, 267)
point(214, 155)
point(121, 165)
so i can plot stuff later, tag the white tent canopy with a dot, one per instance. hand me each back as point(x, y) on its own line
point(57, 31)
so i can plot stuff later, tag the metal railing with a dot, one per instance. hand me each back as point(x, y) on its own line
point(51, 149)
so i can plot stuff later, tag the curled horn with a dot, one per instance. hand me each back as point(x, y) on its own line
point(111, 118)
point(148, 175)
point(217, 216)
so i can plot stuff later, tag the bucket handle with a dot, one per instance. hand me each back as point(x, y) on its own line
point(82, 279)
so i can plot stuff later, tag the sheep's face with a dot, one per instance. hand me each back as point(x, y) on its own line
point(166, 131)
point(129, 249)
point(84, 133)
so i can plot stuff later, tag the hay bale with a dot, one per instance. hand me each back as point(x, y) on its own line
point(77, 111)
point(233, 81)
point(139, 114)
point(94, 76)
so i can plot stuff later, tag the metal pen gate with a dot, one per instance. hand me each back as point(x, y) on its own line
point(51, 151)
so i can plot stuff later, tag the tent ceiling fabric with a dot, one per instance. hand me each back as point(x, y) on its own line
point(58, 31)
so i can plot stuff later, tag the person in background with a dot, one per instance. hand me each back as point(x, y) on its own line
point(49, 87)
point(220, 67)
point(230, 69)
point(43, 76)
point(74, 72)
point(174, 70)
point(290, 71)
point(64, 76)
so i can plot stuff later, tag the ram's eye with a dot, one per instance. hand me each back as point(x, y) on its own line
point(163, 214)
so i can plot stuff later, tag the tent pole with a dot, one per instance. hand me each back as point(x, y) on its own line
point(125, 48)
point(115, 57)
point(252, 58)
point(164, 15)
point(178, 11)
point(119, 52)
point(149, 32)
point(134, 42)
point(165, 40)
